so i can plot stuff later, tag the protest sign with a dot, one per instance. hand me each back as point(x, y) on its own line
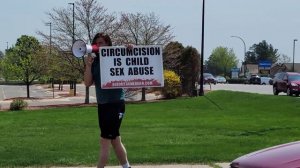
point(140, 66)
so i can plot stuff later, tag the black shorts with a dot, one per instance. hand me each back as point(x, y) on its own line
point(110, 116)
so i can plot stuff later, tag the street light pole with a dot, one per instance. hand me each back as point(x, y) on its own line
point(201, 91)
point(243, 64)
point(293, 68)
point(73, 40)
point(73, 36)
point(50, 46)
point(244, 45)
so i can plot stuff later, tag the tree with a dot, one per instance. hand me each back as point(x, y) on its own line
point(283, 59)
point(142, 29)
point(90, 18)
point(4, 68)
point(1, 55)
point(26, 61)
point(190, 68)
point(60, 70)
point(221, 61)
point(261, 51)
point(171, 56)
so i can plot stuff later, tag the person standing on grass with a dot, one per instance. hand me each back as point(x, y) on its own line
point(111, 107)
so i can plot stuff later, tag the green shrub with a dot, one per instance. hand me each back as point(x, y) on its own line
point(18, 104)
point(172, 88)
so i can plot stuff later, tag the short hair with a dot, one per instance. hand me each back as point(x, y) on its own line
point(104, 36)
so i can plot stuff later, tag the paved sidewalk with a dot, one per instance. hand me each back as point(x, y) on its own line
point(219, 165)
point(152, 166)
point(62, 98)
point(61, 101)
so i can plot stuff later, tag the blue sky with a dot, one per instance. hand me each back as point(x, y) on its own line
point(276, 21)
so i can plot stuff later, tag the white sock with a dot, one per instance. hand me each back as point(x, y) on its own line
point(126, 165)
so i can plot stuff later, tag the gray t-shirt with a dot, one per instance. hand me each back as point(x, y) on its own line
point(105, 95)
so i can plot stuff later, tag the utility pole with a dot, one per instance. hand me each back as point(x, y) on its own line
point(293, 68)
point(201, 92)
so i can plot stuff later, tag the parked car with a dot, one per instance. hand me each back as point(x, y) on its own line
point(281, 156)
point(209, 78)
point(265, 80)
point(221, 79)
point(287, 82)
point(271, 81)
point(254, 79)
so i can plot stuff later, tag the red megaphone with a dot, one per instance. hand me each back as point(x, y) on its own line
point(80, 48)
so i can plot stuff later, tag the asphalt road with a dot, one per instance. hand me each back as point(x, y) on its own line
point(12, 91)
point(261, 89)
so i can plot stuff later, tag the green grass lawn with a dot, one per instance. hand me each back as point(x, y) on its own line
point(217, 127)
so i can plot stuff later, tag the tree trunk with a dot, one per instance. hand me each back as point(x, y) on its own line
point(75, 88)
point(71, 84)
point(62, 85)
point(143, 94)
point(27, 87)
point(59, 85)
point(87, 95)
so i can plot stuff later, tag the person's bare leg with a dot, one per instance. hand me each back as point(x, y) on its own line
point(120, 150)
point(104, 152)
